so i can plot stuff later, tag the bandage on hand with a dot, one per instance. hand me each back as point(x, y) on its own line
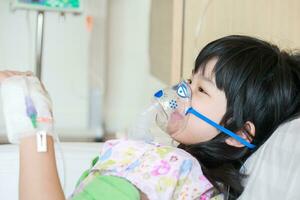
point(27, 107)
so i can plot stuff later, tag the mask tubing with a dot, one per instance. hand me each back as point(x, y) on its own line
point(221, 128)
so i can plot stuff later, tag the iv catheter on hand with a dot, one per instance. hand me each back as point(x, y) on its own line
point(30, 108)
point(41, 136)
point(27, 110)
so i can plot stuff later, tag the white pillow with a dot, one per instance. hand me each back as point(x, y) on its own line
point(274, 170)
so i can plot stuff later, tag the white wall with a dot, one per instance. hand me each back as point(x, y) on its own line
point(130, 86)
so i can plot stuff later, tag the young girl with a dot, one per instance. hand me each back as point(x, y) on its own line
point(240, 91)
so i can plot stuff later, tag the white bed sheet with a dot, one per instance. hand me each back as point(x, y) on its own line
point(78, 157)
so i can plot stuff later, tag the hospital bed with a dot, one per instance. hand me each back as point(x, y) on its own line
point(274, 169)
point(77, 158)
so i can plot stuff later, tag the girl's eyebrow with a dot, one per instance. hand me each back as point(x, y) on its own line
point(208, 80)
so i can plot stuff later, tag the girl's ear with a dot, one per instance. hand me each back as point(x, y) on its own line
point(249, 128)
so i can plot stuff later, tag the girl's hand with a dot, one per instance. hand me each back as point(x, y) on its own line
point(8, 73)
point(27, 107)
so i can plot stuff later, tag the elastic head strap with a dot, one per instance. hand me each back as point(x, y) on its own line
point(221, 128)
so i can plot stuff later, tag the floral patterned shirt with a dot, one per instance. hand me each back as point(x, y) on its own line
point(159, 171)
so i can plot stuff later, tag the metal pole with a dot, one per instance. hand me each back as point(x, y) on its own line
point(39, 43)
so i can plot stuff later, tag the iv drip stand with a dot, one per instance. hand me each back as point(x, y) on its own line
point(39, 43)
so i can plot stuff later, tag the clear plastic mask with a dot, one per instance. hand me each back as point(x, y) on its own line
point(173, 103)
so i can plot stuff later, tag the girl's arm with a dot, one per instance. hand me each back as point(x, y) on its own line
point(38, 173)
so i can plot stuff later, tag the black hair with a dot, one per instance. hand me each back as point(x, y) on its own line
point(261, 84)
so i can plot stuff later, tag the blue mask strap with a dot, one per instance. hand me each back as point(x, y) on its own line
point(221, 128)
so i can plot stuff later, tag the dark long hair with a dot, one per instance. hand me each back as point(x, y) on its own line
point(261, 84)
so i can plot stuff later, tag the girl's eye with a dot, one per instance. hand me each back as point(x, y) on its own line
point(201, 90)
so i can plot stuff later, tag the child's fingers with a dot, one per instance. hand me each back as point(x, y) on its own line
point(14, 73)
point(29, 73)
point(9, 73)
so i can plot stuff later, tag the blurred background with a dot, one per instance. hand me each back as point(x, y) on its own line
point(95, 63)
point(102, 60)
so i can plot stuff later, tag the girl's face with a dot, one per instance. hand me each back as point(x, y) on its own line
point(209, 101)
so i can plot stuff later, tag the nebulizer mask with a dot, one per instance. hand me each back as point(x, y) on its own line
point(171, 109)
